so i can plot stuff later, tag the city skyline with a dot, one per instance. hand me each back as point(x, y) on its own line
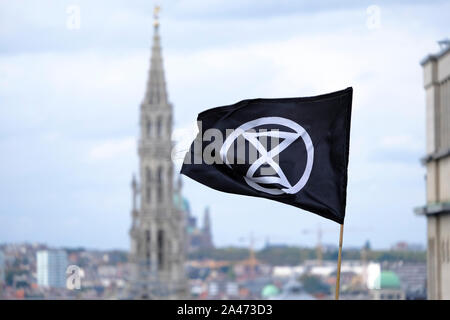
point(70, 143)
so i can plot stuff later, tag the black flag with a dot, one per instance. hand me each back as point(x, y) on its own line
point(292, 150)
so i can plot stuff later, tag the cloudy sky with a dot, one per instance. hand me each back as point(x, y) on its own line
point(69, 99)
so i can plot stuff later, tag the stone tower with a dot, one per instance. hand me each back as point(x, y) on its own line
point(157, 232)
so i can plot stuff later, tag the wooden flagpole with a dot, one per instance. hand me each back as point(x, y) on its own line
point(338, 274)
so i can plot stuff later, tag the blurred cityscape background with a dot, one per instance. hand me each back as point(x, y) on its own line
point(275, 271)
point(80, 93)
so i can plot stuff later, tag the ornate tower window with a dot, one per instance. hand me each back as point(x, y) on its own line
point(148, 128)
point(147, 247)
point(160, 175)
point(148, 179)
point(160, 182)
point(159, 126)
point(160, 249)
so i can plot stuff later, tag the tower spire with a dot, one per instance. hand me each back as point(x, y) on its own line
point(156, 16)
point(156, 93)
point(207, 234)
point(207, 221)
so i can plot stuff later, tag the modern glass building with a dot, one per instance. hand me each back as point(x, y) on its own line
point(51, 268)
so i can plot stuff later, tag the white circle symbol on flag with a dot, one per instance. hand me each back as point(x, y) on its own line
point(267, 156)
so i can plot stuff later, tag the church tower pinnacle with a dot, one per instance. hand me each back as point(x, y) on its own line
point(156, 85)
point(207, 233)
point(157, 231)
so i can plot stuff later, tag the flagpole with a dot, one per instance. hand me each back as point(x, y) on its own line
point(338, 274)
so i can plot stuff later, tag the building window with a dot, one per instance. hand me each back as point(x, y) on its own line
point(148, 128)
point(148, 194)
point(160, 175)
point(160, 181)
point(147, 245)
point(148, 179)
point(160, 249)
point(159, 126)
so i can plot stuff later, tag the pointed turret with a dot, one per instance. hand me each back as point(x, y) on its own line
point(134, 189)
point(207, 233)
point(156, 93)
point(206, 221)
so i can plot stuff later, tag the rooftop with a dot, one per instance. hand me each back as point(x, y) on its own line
point(387, 280)
point(445, 48)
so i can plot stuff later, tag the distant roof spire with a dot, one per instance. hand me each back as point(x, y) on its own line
point(156, 93)
point(134, 189)
point(156, 16)
point(207, 221)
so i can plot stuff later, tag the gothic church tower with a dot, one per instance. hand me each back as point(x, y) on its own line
point(157, 232)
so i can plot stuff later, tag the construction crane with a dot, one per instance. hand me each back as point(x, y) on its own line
point(252, 261)
point(319, 232)
point(319, 248)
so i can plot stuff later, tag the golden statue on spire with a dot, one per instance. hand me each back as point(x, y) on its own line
point(156, 16)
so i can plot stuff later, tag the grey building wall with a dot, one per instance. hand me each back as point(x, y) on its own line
point(436, 70)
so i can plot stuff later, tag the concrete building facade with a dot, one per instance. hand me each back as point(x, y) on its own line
point(436, 70)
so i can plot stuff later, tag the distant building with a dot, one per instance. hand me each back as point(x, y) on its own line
point(51, 268)
point(293, 290)
point(413, 278)
point(2, 268)
point(388, 287)
point(405, 246)
point(367, 271)
point(207, 234)
point(198, 237)
point(287, 271)
point(437, 161)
